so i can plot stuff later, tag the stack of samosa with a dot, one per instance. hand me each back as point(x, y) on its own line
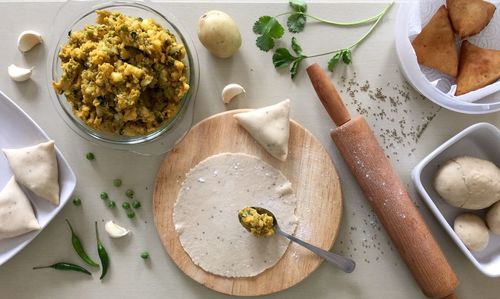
point(435, 45)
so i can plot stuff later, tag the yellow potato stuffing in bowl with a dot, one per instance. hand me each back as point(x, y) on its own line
point(123, 74)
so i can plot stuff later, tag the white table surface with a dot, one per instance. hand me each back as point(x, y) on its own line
point(380, 272)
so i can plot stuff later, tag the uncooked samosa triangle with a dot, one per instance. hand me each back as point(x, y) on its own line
point(270, 127)
point(35, 167)
point(16, 214)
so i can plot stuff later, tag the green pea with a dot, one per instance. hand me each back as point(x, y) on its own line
point(103, 195)
point(130, 214)
point(111, 204)
point(126, 205)
point(90, 156)
point(129, 193)
point(117, 182)
point(145, 255)
point(77, 201)
point(136, 204)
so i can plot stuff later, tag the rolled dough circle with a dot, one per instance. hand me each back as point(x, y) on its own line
point(206, 214)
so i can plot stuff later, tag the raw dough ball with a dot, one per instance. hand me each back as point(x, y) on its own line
point(468, 182)
point(493, 218)
point(219, 33)
point(472, 230)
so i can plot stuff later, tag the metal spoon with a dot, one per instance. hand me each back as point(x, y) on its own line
point(345, 264)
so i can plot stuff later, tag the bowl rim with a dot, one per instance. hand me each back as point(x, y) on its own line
point(109, 138)
point(416, 178)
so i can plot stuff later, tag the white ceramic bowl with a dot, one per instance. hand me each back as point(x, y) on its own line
point(17, 130)
point(481, 140)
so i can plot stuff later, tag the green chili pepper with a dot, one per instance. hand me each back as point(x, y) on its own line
point(65, 267)
point(111, 204)
point(103, 195)
point(145, 255)
point(90, 156)
point(77, 245)
point(103, 255)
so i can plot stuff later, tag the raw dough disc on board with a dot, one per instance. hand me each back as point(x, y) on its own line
point(206, 214)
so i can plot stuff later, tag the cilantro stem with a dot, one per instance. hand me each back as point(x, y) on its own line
point(342, 24)
point(380, 16)
point(372, 27)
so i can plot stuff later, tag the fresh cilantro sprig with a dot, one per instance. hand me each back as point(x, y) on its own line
point(269, 28)
point(282, 56)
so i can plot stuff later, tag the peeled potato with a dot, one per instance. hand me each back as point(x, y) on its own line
point(219, 33)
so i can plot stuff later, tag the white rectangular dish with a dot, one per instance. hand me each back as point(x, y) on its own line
point(481, 140)
point(17, 129)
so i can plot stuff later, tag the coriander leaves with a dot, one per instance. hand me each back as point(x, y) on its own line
point(344, 54)
point(297, 20)
point(298, 5)
point(269, 30)
point(283, 58)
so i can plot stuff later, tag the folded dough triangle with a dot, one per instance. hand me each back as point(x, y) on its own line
point(35, 167)
point(270, 127)
point(478, 67)
point(469, 17)
point(435, 45)
point(16, 213)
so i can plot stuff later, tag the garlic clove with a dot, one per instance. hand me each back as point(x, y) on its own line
point(230, 91)
point(19, 74)
point(114, 230)
point(28, 39)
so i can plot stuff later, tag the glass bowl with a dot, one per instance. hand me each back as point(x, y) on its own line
point(171, 132)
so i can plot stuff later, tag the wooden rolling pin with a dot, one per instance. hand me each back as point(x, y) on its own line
point(386, 193)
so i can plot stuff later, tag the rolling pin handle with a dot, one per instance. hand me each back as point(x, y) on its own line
point(328, 95)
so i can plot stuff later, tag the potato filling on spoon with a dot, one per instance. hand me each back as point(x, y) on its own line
point(260, 225)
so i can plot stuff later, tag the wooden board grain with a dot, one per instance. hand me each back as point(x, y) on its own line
point(313, 178)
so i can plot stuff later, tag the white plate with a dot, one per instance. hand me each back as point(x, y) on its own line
point(17, 129)
point(481, 140)
point(432, 84)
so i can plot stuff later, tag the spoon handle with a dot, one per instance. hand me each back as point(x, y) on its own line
point(345, 264)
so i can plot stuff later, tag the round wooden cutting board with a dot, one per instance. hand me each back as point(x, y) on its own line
point(313, 178)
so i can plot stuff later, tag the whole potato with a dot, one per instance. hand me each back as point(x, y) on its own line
point(219, 33)
point(468, 182)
